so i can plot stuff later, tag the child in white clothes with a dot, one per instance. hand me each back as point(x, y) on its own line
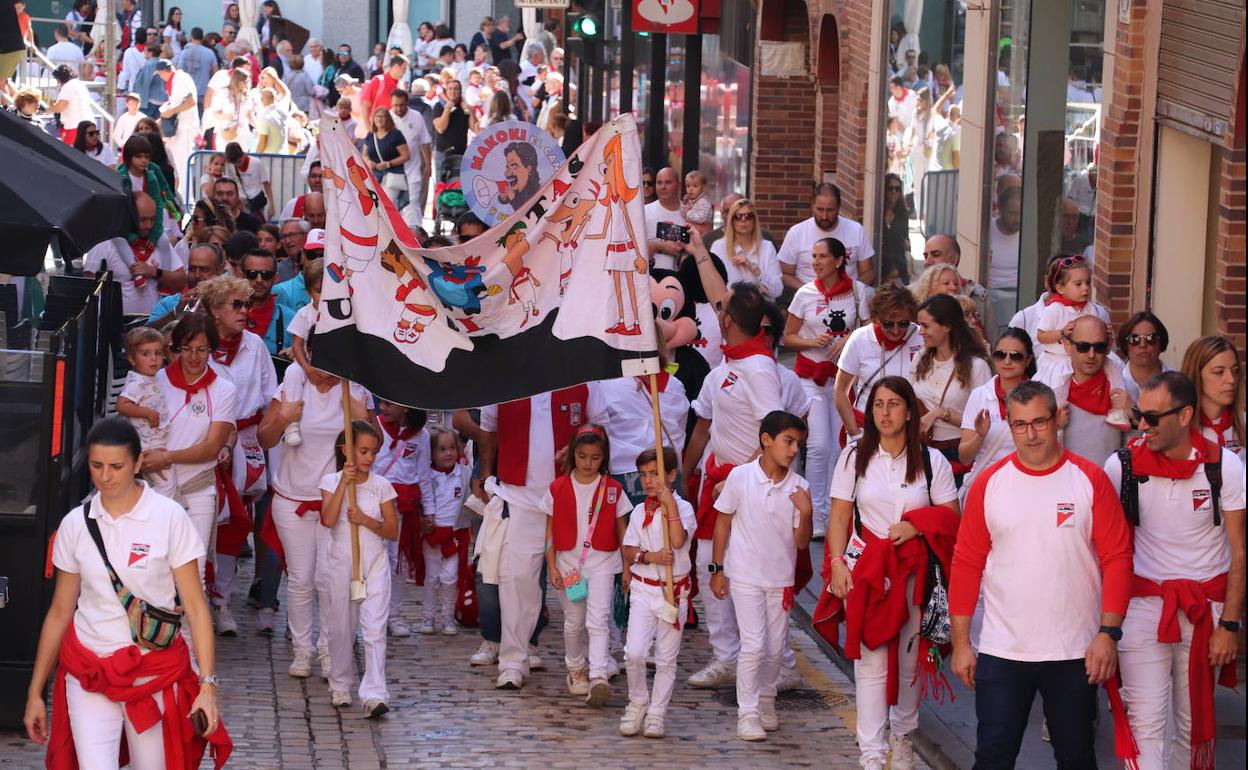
point(140, 399)
point(649, 558)
point(403, 460)
point(696, 206)
point(449, 486)
point(375, 515)
point(764, 518)
point(586, 514)
point(1069, 281)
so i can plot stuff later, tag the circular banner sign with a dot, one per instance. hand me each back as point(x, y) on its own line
point(505, 166)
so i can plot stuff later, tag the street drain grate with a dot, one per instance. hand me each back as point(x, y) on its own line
point(794, 700)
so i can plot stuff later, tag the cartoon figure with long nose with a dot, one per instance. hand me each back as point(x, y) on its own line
point(574, 211)
point(359, 208)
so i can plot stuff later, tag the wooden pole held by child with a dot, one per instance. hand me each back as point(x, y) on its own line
point(358, 590)
point(669, 589)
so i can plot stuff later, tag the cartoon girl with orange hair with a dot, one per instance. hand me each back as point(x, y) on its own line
point(623, 258)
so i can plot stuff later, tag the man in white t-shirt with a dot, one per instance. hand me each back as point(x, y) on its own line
point(903, 102)
point(825, 222)
point(141, 265)
point(1003, 252)
point(666, 208)
point(183, 97)
point(420, 146)
point(73, 102)
point(1044, 535)
point(63, 51)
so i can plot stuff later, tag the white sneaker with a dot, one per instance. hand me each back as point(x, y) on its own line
point(630, 723)
point(323, 659)
point(450, 629)
point(903, 751)
point(291, 436)
point(788, 679)
point(714, 675)
point(374, 708)
point(426, 627)
point(265, 621)
point(535, 660)
point(613, 667)
point(301, 666)
point(486, 655)
point(654, 726)
point(767, 714)
point(399, 629)
point(509, 680)
point(578, 682)
point(226, 624)
point(599, 691)
point(340, 699)
point(750, 729)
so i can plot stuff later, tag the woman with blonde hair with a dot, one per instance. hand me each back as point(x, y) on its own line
point(746, 254)
point(1213, 363)
point(937, 279)
point(500, 110)
point(270, 79)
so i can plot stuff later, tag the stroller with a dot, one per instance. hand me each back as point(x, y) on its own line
point(448, 195)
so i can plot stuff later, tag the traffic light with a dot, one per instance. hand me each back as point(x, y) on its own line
point(586, 27)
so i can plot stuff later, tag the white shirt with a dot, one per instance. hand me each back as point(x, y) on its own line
point(414, 130)
point(1028, 319)
point(1002, 259)
point(708, 327)
point(123, 127)
point(217, 97)
point(104, 155)
point(1227, 439)
point(183, 85)
point(131, 62)
point(763, 257)
point(252, 375)
point(762, 550)
point(656, 212)
point(792, 394)
point(930, 388)
point(118, 256)
point(867, 360)
point(297, 470)
point(144, 546)
point(65, 52)
point(1133, 388)
point(883, 494)
point(143, 391)
point(189, 422)
point(1176, 538)
point(448, 490)
point(840, 315)
point(1055, 316)
point(596, 562)
point(998, 442)
point(905, 108)
point(303, 322)
point(78, 109)
point(735, 397)
point(629, 418)
point(406, 460)
point(651, 539)
point(250, 182)
point(801, 238)
point(370, 494)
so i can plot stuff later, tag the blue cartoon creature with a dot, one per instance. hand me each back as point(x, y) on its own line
point(461, 286)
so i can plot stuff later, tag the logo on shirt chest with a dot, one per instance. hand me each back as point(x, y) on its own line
point(729, 382)
point(574, 412)
point(611, 496)
point(1065, 515)
point(408, 450)
point(458, 492)
point(138, 555)
point(1201, 499)
point(198, 408)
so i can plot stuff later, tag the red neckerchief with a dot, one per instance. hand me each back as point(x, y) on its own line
point(396, 433)
point(644, 381)
point(1058, 299)
point(652, 505)
point(227, 349)
point(260, 316)
point(1092, 395)
point(996, 384)
point(177, 378)
point(1219, 425)
point(755, 346)
point(1146, 462)
point(245, 164)
point(840, 287)
point(884, 341)
point(143, 250)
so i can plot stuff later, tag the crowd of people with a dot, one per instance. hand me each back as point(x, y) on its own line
point(978, 481)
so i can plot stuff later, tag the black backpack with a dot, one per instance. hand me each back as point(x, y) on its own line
point(1130, 490)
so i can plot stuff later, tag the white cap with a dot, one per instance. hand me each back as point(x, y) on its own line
point(316, 239)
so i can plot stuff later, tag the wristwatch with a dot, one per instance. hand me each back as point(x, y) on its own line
point(1229, 625)
point(159, 273)
point(1113, 632)
point(211, 679)
point(713, 568)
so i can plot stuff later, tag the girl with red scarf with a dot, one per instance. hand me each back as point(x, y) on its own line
point(1213, 364)
point(821, 317)
point(107, 686)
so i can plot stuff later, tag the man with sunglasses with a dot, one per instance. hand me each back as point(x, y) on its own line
point(205, 260)
point(1089, 388)
point(1044, 535)
point(648, 194)
point(1174, 641)
point(266, 316)
point(343, 65)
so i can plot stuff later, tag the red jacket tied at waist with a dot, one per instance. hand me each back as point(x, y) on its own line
point(113, 676)
point(819, 371)
point(715, 472)
point(877, 607)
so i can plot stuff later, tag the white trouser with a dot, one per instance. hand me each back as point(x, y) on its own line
point(519, 592)
point(324, 578)
point(441, 584)
point(414, 212)
point(871, 692)
point(823, 446)
point(585, 638)
point(98, 723)
point(644, 626)
point(299, 541)
point(763, 624)
point(1154, 685)
point(201, 507)
point(223, 578)
point(721, 623)
point(179, 147)
point(398, 585)
point(369, 616)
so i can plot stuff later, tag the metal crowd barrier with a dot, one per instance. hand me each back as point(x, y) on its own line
point(940, 202)
point(285, 175)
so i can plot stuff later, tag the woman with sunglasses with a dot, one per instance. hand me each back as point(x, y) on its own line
point(87, 141)
point(896, 226)
point(1141, 341)
point(1213, 364)
point(885, 348)
point(746, 253)
point(953, 364)
point(985, 431)
point(199, 412)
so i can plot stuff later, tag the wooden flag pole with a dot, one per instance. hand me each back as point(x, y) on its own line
point(669, 589)
point(358, 590)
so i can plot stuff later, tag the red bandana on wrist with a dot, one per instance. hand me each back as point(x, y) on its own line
point(840, 287)
point(177, 378)
point(1092, 395)
point(1220, 425)
point(886, 342)
point(227, 349)
point(1146, 462)
point(755, 346)
point(1058, 299)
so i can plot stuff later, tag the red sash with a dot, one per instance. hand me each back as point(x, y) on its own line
point(1146, 462)
point(443, 538)
point(268, 531)
point(177, 378)
point(297, 213)
point(411, 560)
point(819, 371)
point(1220, 425)
point(567, 413)
point(227, 349)
point(715, 473)
point(1058, 299)
point(605, 537)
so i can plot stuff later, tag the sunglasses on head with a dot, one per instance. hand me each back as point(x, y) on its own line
point(254, 274)
point(1013, 355)
point(1100, 348)
point(1072, 260)
point(1154, 418)
point(890, 325)
point(1152, 338)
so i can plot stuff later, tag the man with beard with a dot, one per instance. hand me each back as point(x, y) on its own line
point(142, 266)
point(266, 317)
point(825, 222)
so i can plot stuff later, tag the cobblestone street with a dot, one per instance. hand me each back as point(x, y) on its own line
point(446, 714)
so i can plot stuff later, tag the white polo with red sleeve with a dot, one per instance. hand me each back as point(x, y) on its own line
point(1053, 551)
point(735, 397)
point(1176, 538)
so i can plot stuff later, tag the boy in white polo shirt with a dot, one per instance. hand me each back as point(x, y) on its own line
point(764, 518)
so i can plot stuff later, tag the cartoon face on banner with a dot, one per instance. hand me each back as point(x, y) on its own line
point(505, 166)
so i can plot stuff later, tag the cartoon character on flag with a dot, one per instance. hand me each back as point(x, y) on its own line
point(360, 208)
point(574, 211)
point(524, 282)
point(415, 315)
point(623, 259)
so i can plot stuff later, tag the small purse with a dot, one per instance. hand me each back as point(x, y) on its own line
point(151, 627)
point(575, 586)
